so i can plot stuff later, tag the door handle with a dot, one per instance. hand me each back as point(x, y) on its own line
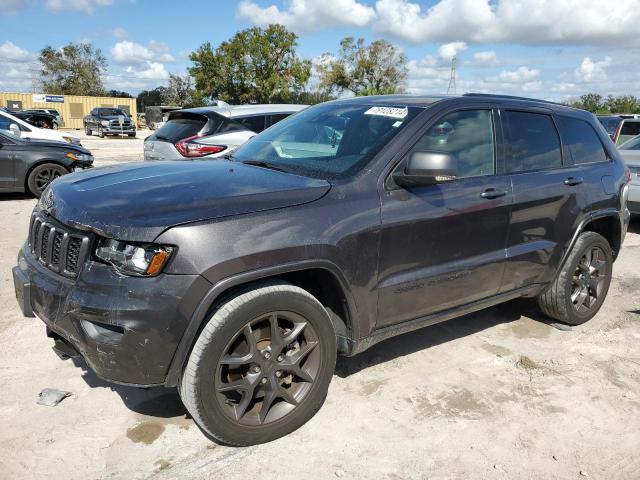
point(491, 193)
point(571, 181)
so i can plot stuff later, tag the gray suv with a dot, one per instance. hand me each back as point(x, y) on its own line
point(240, 280)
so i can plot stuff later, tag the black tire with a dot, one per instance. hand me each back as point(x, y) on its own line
point(87, 130)
point(42, 175)
point(200, 384)
point(100, 132)
point(564, 300)
point(131, 135)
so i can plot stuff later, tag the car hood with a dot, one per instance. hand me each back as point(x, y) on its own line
point(39, 143)
point(137, 202)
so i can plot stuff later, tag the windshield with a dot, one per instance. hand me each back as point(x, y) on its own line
point(610, 124)
point(328, 141)
point(111, 112)
point(633, 144)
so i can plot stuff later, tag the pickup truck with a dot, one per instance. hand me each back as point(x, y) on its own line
point(109, 121)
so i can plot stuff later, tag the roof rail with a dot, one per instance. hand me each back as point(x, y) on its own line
point(512, 97)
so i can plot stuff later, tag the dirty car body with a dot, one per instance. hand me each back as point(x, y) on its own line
point(383, 258)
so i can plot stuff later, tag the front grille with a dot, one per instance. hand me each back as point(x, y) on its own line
point(115, 123)
point(58, 247)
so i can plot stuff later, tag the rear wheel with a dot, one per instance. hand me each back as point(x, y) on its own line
point(261, 366)
point(41, 176)
point(582, 285)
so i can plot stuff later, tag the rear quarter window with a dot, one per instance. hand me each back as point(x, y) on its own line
point(630, 128)
point(583, 142)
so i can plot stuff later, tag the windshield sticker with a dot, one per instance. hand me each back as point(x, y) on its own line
point(393, 112)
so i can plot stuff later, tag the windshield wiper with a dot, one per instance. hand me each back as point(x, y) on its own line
point(162, 137)
point(260, 163)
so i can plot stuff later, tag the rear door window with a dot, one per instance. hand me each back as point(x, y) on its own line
point(532, 142)
point(255, 123)
point(276, 117)
point(582, 140)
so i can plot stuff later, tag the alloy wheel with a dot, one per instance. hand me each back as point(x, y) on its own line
point(45, 176)
point(268, 368)
point(588, 280)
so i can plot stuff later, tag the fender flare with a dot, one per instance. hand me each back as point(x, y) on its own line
point(217, 291)
point(590, 217)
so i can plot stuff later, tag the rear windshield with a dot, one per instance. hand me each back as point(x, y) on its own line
point(610, 124)
point(182, 125)
point(630, 128)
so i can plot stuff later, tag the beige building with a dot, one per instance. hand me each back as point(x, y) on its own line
point(72, 107)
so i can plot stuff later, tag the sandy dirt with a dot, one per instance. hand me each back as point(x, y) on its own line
point(497, 394)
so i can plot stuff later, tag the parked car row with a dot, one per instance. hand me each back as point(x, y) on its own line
point(211, 132)
point(240, 280)
point(19, 127)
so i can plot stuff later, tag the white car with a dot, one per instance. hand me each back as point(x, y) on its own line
point(20, 128)
point(630, 152)
point(211, 132)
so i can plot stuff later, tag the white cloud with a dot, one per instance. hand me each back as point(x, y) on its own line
point(127, 52)
point(87, 6)
point(529, 22)
point(11, 6)
point(520, 75)
point(120, 33)
point(149, 71)
point(11, 52)
point(450, 50)
point(590, 71)
point(485, 59)
point(305, 16)
point(17, 69)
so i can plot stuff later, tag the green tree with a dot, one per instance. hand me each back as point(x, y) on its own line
point(118, 94)
point(593, 102)
point(75, 69)
point(148, 98)
point(180, 91)
point(375, 69)
point(255, 66)
point(622, 104)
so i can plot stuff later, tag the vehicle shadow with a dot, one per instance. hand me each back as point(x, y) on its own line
point(164, 402)
point(440, 333)
point(16, 196)
point(158, 402)
point(634, 226)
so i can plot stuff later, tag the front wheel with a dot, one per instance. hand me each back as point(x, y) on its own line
point(100, 132)
point(87, 130)
point(41, 176)
point(261, 366)
point(579, 290)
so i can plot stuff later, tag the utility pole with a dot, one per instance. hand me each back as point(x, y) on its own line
point(452, 79)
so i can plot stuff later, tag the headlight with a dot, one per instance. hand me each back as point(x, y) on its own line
point(71, 140)
point(105, 123)
point(79, 157)
point(136, 260)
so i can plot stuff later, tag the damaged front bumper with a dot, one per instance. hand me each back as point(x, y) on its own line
point(126, 328)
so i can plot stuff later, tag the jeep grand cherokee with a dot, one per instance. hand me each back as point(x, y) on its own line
point(240, 280)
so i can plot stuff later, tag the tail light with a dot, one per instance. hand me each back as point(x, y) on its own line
point(189, 147)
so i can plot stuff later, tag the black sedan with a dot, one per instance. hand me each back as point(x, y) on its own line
point(30, 165)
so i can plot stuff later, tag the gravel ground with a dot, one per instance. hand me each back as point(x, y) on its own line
point(497, 394)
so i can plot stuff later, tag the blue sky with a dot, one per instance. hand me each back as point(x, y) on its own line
point(542, 48)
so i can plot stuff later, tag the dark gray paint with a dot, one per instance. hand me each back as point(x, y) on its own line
point(403, 258)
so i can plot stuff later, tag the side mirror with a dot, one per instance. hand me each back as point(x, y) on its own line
point(427, 168)
point(15, 129)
